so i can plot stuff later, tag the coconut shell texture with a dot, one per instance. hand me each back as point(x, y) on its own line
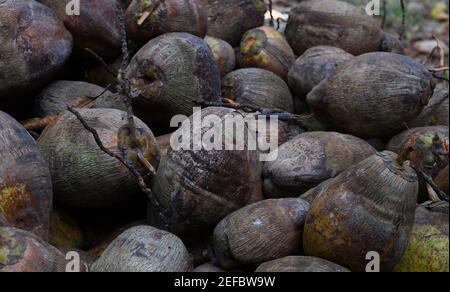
point(21, 251)
point(428, 248)
point(435, 113)
point(172, 73)
point(314, 66)
point(266, 48)
point(85, 176)
point(34, 45)
point(95, 28)
point(144, 249)
point(260, 232)
point(369, 207)
point(258, 88)
point(223, 53)
point(25, 182)
point(391, 43)
point(398, 142)
point(208, 268)
point(199, 188)
point(55, 98)
point(166, 16)
point(332, 23)
point(398, 90)
point(310, 159)
point(229, 20)
point(299, 264)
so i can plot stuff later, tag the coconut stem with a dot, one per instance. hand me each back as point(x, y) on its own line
point(125, 87)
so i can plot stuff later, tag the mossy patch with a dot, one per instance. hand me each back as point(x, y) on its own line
point(12, 198)
point(12, 247)
point(428, 251)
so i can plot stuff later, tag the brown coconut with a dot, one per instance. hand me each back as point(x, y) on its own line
point(373, 95)
point(95, 28)
point(146, 20)
point(21, 251)
point(258, 88)
point(25, 182)
point(144, 249)
point(310, 159)
point(332, 23)
point(368, 208)
point(260, 232)
point(315, 65)
point(199, 188)
point(229, 20)
point(223, 53)
point(264, 47)
point(170, 75)
point(55, 98)
point(34, 45)
point(300, 264)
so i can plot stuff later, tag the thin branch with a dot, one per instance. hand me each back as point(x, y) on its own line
point(102, 63)
point(260, 112)
point(384, 7)
point(272, 20)
point(403, 28)
point(441, 194)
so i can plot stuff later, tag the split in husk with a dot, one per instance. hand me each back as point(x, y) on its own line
point(264, 47)
point(146, 20)
point(21, 251)
point(398, 90)
point(259, 88)
point(64, 231)
point(315, 65)
point(368, 208)
point(300, 264)
point(172, 73)
point(428, 248)
point(332, 23)
point(199, 188)
point(144, 249)
point(310, 159)
point(260, 232)
point(435, 113)
point(229, 20)
point(96, 28)
point(93, 178)
point(25, 182)
point(34, 45)
point(223, 53)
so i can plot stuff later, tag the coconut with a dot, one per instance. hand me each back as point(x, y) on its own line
point(260, 232)
point(34, 45)
point(144, 249)
point(310, 159)
point(332, 23)
point(95, 179)
point(25, 182)
point(398, 90)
